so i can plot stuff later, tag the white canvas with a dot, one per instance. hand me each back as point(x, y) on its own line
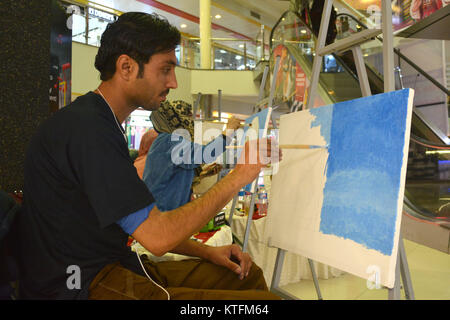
point(342, 206)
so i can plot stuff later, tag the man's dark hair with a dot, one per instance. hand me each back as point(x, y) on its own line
point(138, 35)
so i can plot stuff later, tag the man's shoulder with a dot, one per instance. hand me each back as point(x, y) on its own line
point(84, 112)
point(81, 118)
point(83, 105)
point(86, 104)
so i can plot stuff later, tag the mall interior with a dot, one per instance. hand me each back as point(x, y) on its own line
point(275, 59)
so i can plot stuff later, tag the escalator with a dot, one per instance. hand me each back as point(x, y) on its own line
point(427, 191)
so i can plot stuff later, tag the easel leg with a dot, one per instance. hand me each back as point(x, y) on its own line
point(404, 269)
point(274, 81)
point(316, 281)
point(388, 46)
point(277, 271)
point(250, 218)
point(277, 275)
point(317, 63)
point(394, 293)
point(233, 206)
point(362, 72)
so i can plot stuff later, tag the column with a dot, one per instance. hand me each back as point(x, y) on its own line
point(388, 46)
point(24, 82)
point(205, 34)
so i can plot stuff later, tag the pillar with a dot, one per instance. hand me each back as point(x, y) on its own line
point(205, 34)
point(24, 82)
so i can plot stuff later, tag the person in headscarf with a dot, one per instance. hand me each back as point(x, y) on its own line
point(144, 147)
point(173, 160)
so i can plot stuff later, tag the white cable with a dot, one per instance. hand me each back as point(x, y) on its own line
point(145, 271)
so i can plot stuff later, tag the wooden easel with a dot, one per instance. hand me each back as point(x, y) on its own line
point(253, 195)
point(353, 42)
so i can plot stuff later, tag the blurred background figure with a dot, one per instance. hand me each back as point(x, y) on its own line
point(144, 147)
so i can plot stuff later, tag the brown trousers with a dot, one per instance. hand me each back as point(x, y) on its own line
point(192, 279)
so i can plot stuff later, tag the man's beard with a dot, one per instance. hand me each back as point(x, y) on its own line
point(151, 106)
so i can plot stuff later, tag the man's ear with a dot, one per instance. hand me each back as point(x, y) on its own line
point(126, 67)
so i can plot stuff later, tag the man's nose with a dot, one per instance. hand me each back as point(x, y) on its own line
point(172, 83)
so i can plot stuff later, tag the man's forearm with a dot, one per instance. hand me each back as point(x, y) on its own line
point(194, 215)
point(164, 231)
point(192, 248)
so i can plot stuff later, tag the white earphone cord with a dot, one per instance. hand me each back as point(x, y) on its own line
point(145, 271)
point(115, 118)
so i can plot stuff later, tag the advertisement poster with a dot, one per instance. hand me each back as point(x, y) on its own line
point(407, 12)
point(291, 82)
point(60, 58)
point(404, 12)
point(300, 83)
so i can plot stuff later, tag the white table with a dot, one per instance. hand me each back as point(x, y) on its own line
point(295, 267)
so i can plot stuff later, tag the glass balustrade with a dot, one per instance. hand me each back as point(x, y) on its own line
point(293, 40)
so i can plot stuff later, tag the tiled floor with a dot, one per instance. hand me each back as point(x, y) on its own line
point(430, 276)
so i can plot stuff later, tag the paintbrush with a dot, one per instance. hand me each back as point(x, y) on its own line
point(289, 146)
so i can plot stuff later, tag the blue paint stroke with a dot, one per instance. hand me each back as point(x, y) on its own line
point(323, 116)
point(318, 147)
point(364, 167)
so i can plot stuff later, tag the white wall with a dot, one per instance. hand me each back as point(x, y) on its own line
point(85, 77)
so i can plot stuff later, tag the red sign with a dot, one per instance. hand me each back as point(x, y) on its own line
point(300, 83)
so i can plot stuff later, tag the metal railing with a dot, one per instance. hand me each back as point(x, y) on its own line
point(226, 53)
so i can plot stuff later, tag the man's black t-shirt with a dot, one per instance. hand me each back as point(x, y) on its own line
point(79, 181)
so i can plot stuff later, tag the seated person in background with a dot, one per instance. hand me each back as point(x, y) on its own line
point(144, 147)
point(168, 180)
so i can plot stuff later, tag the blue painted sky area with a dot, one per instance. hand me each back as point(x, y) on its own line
point(323, 120)
point(364, 166)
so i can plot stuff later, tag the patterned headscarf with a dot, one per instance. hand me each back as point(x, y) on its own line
point(173, 115)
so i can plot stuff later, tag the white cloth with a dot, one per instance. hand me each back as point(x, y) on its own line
point(295, 267)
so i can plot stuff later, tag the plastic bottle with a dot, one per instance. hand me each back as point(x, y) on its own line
point(240, 202)
point(262, 201)
point(247, 201)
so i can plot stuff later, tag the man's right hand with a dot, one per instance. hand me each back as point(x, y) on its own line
point(256, 155)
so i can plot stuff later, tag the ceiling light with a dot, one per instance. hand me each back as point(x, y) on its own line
point(183, 26)
point(217, 16)
point(223, 51)
point(303, 31)
point(238, 57)
point(241, 46)
point(437, 152)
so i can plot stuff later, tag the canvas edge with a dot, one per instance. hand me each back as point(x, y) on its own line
point(392, 265)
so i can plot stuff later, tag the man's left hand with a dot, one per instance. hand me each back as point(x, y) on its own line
point(231, 257)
